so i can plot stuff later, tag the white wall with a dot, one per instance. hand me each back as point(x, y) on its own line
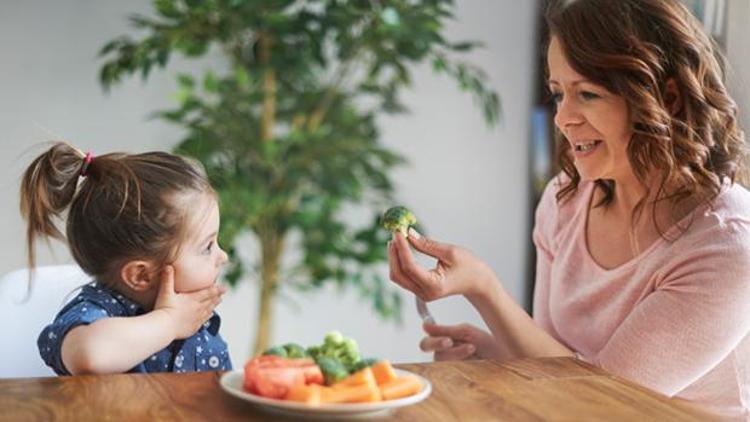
point(467, 183)
point(738, 54)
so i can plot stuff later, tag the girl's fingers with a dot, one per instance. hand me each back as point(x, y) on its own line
point(206, 294)
point(167, 281)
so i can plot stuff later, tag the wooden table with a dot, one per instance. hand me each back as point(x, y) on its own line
point(530, 389)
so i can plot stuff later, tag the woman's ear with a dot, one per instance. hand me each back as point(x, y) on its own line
point(672, 97)
point(138, 275)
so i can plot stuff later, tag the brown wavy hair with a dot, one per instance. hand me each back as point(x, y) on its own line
point(633, 48)
point(128, 206)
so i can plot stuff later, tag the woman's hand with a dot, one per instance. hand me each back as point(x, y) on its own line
point(457, 271)
point(187, 311)
point(458, 342)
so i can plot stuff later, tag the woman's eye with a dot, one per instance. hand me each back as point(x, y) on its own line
point(555, 97)
point(586, 95)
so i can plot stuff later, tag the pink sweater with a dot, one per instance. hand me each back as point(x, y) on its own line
point(675, 319)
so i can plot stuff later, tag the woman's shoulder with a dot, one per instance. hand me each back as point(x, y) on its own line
point(568, 205)
point(727, 215)
point(556, 219)
point(733, 203)
point(723, 224)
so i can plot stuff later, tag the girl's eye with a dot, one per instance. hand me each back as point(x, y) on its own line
point(209, 247)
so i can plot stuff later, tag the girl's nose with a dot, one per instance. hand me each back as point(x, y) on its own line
point(223, 257)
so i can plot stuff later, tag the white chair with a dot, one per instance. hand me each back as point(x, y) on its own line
point(22, 318)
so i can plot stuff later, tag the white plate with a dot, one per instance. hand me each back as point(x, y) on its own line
point(231, 382)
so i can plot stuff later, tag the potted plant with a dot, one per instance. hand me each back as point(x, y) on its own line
point(286, 127)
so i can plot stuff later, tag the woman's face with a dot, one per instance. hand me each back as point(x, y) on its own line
point(594, 121)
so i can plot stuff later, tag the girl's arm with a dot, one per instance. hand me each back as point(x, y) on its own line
point(117, 344)
point(114, 345)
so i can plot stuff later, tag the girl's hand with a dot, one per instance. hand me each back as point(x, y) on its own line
point(458, 342)
point(187, 311)
point(457, 271)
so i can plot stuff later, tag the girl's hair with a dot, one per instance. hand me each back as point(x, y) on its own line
point(125, 207)
point(633, 48)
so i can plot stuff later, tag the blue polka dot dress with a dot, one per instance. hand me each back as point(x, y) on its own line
point(204, 351)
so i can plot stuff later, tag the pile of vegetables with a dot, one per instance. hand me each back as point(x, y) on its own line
point(332, 372)
point(337, 357)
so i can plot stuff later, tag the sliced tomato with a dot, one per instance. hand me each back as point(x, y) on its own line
point(273, 376)
point(313, 374)
point(276, 382)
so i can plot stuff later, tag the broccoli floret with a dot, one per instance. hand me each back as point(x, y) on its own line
point(364, 363)
point(333, 338)
point(294, 350)
point(276, 351)
point(339, 347)
point(313, 351)
point(348, 353)
point(333, 370)
point(399, 218)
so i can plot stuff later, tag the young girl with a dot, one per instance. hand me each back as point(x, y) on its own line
point(145, 227)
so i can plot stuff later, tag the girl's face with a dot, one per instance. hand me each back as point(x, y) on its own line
point(593, 120)
point(200, 260)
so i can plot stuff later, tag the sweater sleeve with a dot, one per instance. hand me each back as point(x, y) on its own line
point(696, 316)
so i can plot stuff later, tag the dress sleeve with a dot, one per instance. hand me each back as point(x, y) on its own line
point(696, 317)
point(545, 223)
point(50, 340)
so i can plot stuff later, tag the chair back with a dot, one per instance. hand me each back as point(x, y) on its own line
point(24, 313)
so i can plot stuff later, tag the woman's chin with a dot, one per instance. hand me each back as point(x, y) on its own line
point(587, 175)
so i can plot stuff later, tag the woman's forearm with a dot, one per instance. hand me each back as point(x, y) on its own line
point(516, 333)
point(114, 345)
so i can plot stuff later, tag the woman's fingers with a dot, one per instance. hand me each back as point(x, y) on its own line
point(461, 332)
point(434, 344)
point(460, 352)
point(428, 281)
point(396, 273)
point(448, 342)
point(433, 248)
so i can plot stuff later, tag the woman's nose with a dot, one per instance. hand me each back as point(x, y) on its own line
point(567, 114)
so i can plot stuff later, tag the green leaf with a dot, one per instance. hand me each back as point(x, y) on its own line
point(185, 80)
point(167, 8)
point(210, 83)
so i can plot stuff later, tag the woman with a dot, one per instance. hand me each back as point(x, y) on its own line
point(643, 240)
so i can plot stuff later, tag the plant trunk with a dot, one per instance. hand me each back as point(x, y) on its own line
point(268, 118)
point(270, 239)
point(272, 245)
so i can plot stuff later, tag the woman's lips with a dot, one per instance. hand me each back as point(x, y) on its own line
point(584, 149)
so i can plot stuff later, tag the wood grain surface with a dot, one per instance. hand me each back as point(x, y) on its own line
point(524, 390)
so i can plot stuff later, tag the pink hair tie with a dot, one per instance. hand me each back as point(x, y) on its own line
point(86, 162)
